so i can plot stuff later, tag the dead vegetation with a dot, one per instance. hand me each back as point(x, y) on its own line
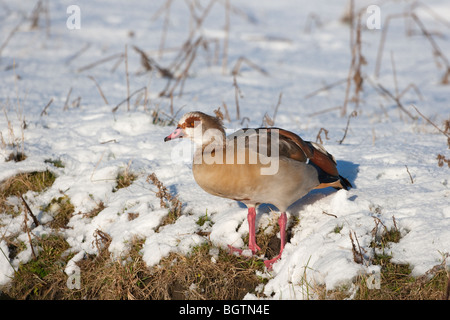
point(167, 200)
point(177, 277)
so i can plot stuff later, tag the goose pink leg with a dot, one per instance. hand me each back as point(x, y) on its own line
point(251, 217)
point(282, 223)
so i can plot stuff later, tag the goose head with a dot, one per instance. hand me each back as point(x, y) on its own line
point(201, 128)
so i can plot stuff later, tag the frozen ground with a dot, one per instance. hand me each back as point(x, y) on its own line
point(300, 55)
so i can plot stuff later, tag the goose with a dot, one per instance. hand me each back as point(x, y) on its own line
point(255, 166)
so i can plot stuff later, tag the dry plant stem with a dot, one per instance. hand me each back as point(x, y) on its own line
point(165, 27)
point(411, 86)
point(410, 177)
point(10, 35)
point(189, 57)
point(436, 50)
point(128, 98)
point(25, 222)
point(353, 114)
point(44, 111)
point(445, 132)
point(66, 104)
point(237, 92)
point(319, 138)
point(358, 256)
point(394, 74)
point(324, 111)
point(78, 53)
point(325, 88)
point(127, 77)
point(383, 40)
point(101, 61)
point(227, 34)
point(329, 214)
point(352, 64)
point(397, 101)
point(354, 74)
point(35, 220)
point(237, 66)
point(148, 64)
point(227, 114)
point(277, 106)
point(99, 89)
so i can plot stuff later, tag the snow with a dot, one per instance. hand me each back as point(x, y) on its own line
point(382, 144)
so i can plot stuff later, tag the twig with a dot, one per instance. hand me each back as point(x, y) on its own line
point(127, 77)
point(227, 34)
point(99, 89)
point(102, 241)
point(227, 115)
point(44, 111)
point(324, 111)
point(66, 104)
point(190, 54)
point(352, 64)
point(329, 214)
point(35, 220)
point(10, 35)
point(319, 138)
point(410, 177)
point(165, 27)
point(25, 222)
point(76, 102)
point(394, 74)
point(101, 61)
point(148, 63)
point(325, 88)
point(408, 87)
point(78, 53)
point(397, 101)
point(353, 114)
point(446, 133)
point(383, 40)
point(436, 49)
point(277, 106)
point(357, 254)
point(237, 66)
point(237, 92)
point(127, 99)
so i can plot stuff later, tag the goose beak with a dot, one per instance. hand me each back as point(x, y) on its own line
point(178, 133)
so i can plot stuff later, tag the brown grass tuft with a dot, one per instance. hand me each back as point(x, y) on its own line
point(167, 200)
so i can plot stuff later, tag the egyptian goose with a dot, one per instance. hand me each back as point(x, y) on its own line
point(254, 166)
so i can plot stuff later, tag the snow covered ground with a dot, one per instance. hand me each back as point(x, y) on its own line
point(302, 46)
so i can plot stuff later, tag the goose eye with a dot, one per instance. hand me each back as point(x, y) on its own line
point(190, 122)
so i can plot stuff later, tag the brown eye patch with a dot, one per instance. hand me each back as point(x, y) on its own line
point(189, 122)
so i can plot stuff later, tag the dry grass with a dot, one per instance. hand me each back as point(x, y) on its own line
point(167, 200)
point(41, 277)
point(62, 210)
point(396, 283)
point(22, 183)
point(178, 277)
point(124, 178)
